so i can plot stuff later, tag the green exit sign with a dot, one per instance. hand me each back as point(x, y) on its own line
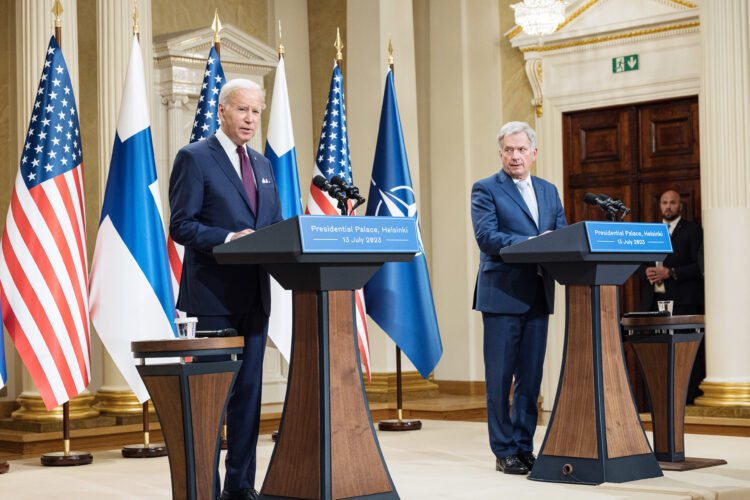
point(625, 63)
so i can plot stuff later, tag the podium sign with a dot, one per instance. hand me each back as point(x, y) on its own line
point(628, 237)
point(337, 234)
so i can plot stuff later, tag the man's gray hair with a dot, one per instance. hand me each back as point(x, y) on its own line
point(511, 128)
point(237, 84)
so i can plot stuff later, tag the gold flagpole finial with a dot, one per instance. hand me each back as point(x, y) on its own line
point(281, 45)
point(338, 45)
point(136, 28)
point(216, 25)
point(390, 51)
point(57, 10)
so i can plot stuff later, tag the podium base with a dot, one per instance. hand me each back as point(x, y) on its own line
point(399, 425)
point(59, 458)
point(692, 463)
point(140, 451)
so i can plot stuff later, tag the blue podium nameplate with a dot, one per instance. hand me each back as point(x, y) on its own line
point(628, 237)
point(340, 234)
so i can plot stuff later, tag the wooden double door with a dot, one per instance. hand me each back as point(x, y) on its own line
point(633, 153)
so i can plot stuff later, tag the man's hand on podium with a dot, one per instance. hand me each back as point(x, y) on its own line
point(242, 233)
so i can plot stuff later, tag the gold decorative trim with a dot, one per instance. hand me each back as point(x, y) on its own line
point(33, 409)
point(609, 38)
point(586, 7)
point(119, 403)
point(689, 5)
point(382, 387)
point(724, 394)
point(577, 13)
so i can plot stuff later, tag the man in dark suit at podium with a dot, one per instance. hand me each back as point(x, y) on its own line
point(221, 190)
point(515, 299)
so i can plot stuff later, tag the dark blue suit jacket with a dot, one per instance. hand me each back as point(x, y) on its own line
point(208, 201)
point(501, 218)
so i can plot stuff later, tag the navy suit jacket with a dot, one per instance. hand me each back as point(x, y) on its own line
point(208, 201)
point(501, 218)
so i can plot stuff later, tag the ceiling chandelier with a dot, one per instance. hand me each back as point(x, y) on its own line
point(539, 17)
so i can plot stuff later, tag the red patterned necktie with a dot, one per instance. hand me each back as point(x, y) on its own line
point(247, 178)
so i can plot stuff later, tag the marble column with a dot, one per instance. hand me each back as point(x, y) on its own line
point(462, 78)
point(725, 199)
point(35, 26)
point(114, 40)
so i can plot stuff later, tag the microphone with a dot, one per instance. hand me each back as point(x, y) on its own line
point(607, 204)
point(351, 191)
point(321, 183)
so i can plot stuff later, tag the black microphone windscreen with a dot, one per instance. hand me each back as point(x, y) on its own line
point(591, 199)
point(338, 181)
point(319, 181)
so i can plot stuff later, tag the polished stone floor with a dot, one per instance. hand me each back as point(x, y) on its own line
point(444, 460)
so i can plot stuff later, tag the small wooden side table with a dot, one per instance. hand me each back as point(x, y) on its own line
point(190, 399)
point(665, 349)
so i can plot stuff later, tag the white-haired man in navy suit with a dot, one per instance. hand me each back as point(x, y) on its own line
point(221, 190)
point(515, 299)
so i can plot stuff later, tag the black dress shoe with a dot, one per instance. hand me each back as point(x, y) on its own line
point(511, 465)
point(244, 494)
point(528, 459)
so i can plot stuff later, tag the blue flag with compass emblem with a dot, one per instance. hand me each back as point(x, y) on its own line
point(399, 296)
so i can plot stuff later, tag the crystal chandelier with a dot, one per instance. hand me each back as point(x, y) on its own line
point(539, 17)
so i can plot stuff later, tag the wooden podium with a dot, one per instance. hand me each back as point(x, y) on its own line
point(327, 447)
point(190, 399)
point(594, 434)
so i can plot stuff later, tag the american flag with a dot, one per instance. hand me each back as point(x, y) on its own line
point(207, 115)
point(206, 123)
point(43, 270)
point(333, 159)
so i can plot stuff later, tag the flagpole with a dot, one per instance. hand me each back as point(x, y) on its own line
point(147, 450)
point(66, 457)
point(216, 25)
point(400, 424)
point(339, 55)
point(275, 434)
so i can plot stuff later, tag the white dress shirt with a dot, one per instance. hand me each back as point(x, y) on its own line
point(527, 192)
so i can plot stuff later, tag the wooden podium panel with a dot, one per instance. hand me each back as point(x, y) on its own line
point(594, 434)
point(296, 458)
point(327, 448)
point(569, 434)
point(357, 468)
point(624, 431)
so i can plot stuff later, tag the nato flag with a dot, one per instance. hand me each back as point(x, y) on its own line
point(399, 297)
